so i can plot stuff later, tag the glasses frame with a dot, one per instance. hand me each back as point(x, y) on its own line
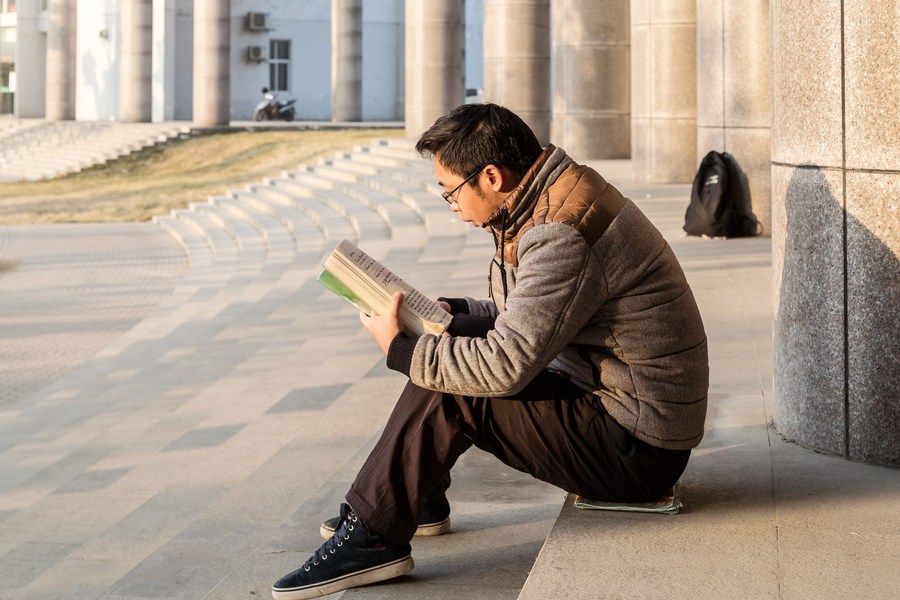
point(448, 196)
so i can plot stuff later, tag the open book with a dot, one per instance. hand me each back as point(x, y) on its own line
point(367, 284)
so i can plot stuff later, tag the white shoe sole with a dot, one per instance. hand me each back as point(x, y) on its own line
point(426, 530)
point(384, 572)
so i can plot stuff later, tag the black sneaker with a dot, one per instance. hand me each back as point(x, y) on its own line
point(434, 519)
point(350, 558)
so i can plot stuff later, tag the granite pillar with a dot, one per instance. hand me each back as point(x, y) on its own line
point(663, 90)
point(592, 78)
point(517, 60)
point(434, 62)
point(734, 107)
point(61, 66)
point(212, 45)
point(346, 60)
point(836, 226)
point(31, 58)
point(136, 66)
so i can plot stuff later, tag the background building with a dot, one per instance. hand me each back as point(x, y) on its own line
point(284, 45)
point(7, 55)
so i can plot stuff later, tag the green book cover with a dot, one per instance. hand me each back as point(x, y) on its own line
point(335, 285)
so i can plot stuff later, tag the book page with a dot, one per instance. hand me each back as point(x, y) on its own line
point(376, 284)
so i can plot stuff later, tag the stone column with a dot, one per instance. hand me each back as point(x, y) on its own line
point(346, 60)
point(517, 60)
point(136, 66)
point(212, 45)
point(663, 90)
point(434, 62)
point(60, 74)
point(836, 226)
point(592, 78)
point(734, 107)
point(31, 57)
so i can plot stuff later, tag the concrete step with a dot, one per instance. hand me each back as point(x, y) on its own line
point(224, 247)
point(196, 247)
point(70, 146)
point(334, 221)
point(303, 228)
point(394, 149)
point(279, 239)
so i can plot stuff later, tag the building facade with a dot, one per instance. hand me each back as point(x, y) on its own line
point(284, 45)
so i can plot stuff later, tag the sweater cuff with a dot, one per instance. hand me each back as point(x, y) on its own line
point(400, 353)
point(457, 305)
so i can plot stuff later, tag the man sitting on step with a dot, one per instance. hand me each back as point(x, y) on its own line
point(591, 374)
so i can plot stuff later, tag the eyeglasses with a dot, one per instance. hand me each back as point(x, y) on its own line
point(448, 196)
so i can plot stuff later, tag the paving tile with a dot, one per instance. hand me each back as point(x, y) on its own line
point(27, 561)
point(72, 579)
point(204, 437)
point(303, 399)
point(96, 479)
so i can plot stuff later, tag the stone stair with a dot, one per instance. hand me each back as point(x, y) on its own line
point(33, 149)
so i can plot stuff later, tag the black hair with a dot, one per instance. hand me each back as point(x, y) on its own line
point(473, 136)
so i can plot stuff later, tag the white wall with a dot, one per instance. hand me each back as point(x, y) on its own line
point(173, 35)
point(97, 62)
point(474, 59)
point(306, 23)
point(382, 84)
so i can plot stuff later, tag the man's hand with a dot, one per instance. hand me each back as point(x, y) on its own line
point(384, 328)
point(445, 306)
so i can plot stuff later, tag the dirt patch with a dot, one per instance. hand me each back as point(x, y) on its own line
point(157, 180)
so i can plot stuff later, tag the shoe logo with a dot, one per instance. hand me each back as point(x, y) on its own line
point(379, 547)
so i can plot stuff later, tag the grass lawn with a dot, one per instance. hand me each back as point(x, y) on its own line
point(156, 180)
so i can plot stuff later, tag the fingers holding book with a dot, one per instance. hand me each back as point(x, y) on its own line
point(384, 328)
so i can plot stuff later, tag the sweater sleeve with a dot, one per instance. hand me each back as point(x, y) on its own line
point(457, 305)
point(559, 285)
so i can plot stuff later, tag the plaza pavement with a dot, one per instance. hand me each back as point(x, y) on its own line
point(182, 404)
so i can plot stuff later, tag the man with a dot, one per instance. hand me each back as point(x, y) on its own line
point(591, 373)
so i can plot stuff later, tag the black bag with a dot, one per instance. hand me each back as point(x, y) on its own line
point(720, 200)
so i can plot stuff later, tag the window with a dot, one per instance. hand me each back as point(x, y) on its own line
point(8, 6)
point(279, 65)
point(7, 68)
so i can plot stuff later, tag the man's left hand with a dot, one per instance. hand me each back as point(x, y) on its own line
point(384, 328)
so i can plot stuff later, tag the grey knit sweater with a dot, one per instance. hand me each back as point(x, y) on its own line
point(592, 291)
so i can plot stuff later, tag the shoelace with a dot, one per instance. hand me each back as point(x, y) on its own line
point(341, 534)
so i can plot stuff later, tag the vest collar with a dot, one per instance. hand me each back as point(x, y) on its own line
point(518, 204)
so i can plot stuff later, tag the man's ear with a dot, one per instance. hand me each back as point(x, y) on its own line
point(494, 176)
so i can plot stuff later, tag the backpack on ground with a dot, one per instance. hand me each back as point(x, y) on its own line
point(720, 200)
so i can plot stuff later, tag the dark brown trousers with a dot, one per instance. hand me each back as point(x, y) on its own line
point(551, 430)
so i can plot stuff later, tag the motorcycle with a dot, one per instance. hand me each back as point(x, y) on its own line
point(271, 108)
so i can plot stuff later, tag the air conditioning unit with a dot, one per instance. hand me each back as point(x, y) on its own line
point(258, 21)
point(257, 54)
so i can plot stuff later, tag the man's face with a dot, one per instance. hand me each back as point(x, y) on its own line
point(474, 205)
